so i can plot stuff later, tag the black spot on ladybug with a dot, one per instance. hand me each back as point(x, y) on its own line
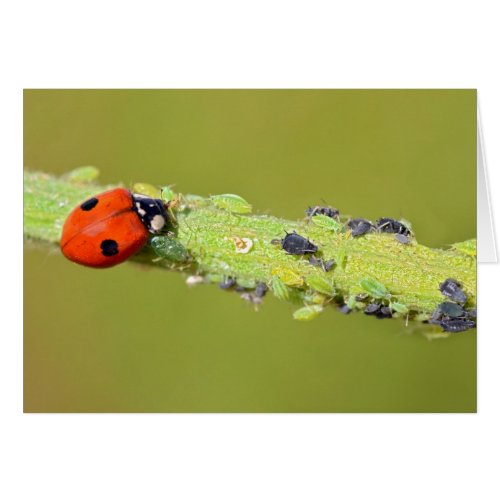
point(295, 244)
point(388, 225)
point(457, 325)
point(109, 248)
point(453, 289)
point(89, 204)
point(359, 227)
point(328, 211)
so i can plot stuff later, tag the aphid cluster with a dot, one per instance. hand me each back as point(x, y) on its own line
point(452, 316)
point(360, 226)
point(379, 310)
point(108, 228)
point(253, 295)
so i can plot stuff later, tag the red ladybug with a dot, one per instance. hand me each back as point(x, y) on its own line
point(107, 229)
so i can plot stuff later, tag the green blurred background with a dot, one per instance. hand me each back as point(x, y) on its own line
point(134, 340)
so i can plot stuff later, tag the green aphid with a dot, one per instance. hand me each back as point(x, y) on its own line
point(340, 258)
point(422, 316)
point(83, 174)
point(288, 276)
point(146, 189)
point(215, 278)
point(399, 308)
point(374, 288)
point(468, 247)
point(328, 223)
point(195, 199)
point(167, 195)
point(279, 289)
point(232, 203)
point(320, 283)
point(351, 302)
point(315, 298)
point(307, 313)
point(169, 248)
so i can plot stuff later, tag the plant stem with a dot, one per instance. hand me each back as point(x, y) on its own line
point(410, 273)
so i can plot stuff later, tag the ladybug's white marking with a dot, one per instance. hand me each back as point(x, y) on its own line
point(157, 222)
point(139, 209)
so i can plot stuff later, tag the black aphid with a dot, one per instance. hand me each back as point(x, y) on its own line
point(227, 283)
point(372, 308)
point(319, 262)
point(471, 313)
point(314, 261)
point(240, 288)
point(384, 312)
point(402, 238)
point(328, 265)
point(453, 317)
point(295, 244)
point(378, 310)
point(452, 310)
point(344, 309)
point(260, 290)
point(457, 325)
point(453, 289)
point(359, 227)
point(328, 211)
point(388, 225)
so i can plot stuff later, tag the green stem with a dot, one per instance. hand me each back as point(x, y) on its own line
point(411, 273)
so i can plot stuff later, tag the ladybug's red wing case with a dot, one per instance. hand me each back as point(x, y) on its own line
point(103, 230)
point(108, 242)
point(96, 209)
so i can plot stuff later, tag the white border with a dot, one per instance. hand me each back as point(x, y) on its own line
point(227, 44)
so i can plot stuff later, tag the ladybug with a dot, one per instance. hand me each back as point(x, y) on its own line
point(107, 229)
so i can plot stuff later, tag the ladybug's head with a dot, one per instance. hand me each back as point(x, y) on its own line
point(151, 212)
